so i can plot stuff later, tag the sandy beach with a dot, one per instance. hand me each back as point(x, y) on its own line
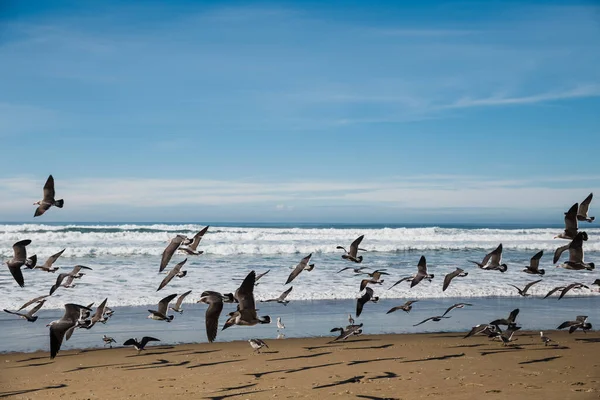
point(442, 365)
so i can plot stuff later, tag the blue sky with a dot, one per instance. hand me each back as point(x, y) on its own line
point(299, 111)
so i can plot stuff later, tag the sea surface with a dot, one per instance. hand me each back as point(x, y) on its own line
point(125, 259)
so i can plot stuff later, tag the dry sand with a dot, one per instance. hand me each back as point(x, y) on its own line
point(428, 366)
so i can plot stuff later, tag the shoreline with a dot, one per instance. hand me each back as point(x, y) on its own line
point(407, 366)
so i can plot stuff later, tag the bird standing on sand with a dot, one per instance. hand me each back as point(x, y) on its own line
point(352, 255)
point(47, 266)
point(163, 307)
point(191, 249)
point(545, 339)
point(576, 257)
point(364, 299)
point(177, 307)
point(350, 319)
point(139, 346)
point(406, 307)
point(492, 261)
point(458, 273)
point(246, 312)
point(30, 315)
point(281, 299)
point(59, 328)
point(571, 225)
point(421, 272)
point(48, 200)
point(257, 344)
point(19, 259)
point(579, 323)
point(582, 213)
point(175, 272)
point(302, 265)
point(526, 288)
point(534, 264)
point(108, 341)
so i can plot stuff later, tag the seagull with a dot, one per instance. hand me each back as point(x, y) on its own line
point(485, 329)
point(19, 259)
point(47, 266)
point(533, 267)
point(177, 307)
point(356, 270)
point(303, 265)
point(507, 335)
point(350, 330)
point(211, 319)
point(170, 250)
point(576, 259)
point(139, 346)
point(545, 339)
point(190, 249)
point(30, 315)
point(281, 299)
point(365, 282)
point(48, 200)
point(246, 312)
point(404, 307)
point(406, 278)
point(457, 305)
point(580, 322)
point(422, 273)
point(365, 298)
point(596, 282)
point(437, 318)
point(556, 289)
point(175, 272)
point(163, 306)
point(75, 273)
point(508, 321)
point(98, 315)
point(352, 254)
point(108, 341)
point(570, 224)
point(280, 324)
point(30, 302)
point(576, 285)
point(582, 213)
point(257, 344)
point(59, 328)
point(492, 261)
point(459, 273)
point(260, 276)
point(526, 288)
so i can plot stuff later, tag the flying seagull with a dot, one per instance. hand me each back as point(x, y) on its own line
point(492, 261)
point(190, 249)
point(75, 273)
point(576, 285)
point(404, 307)
point(170, 250)
point(59, 328)
point(526, 288)
point(458, 273)
point(108, 341)
point(356, 270)
point(246, 312)
point(364, 299)
point(534, 264)
point(457, 305)
point(484, 329)
point(352, 255)
point(576, 256)
point(507, 321)
point(281, 299)
point(580, 322)
point(30, 302)
point(350, 330)
point(175, 272)
point(211, 319)
point(48, 200)
point(302, 265)
point(406, 278)
point(437, 318)
point(570, 224)
point(179, 301)
point(507, 335)
point(421, 273)
point(139, 346)
point(98, 315)
point(163, 307)
point(257, 344)
point(30, 315)
point(19, 259)
point(556, 289)
point(47, 266)
point(582, 213)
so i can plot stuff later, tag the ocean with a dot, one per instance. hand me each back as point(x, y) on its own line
point(125, 260)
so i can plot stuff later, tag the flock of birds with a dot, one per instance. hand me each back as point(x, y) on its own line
point(245, 314)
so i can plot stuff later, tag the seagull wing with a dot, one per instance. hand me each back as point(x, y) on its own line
point(425, 320)
point(448, 278)
point(181, 298)
point(285, 294)
point(147, 339)
point(20, 250)
point(535, 260)
point(530, 284)
point(298, 269)
point(559, 252)
point(169, 251)
point(585, 205)
point(163, 305)
point(52, 259)
point(576, 250)
point(550, 293)
point(49, 190)
point(211, 317)
point(197, 237)
point(571, 220)
point(30, 302)
point(354, 246)
point(245, 293)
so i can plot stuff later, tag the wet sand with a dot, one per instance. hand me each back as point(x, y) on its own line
point(441, 365)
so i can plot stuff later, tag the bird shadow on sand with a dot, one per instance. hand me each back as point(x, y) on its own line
point(326, 346)
point(94, 366)
point(356, 362)
point(539, 360)
point(157, 353)
point(510, 349)
point(354, 379)
point(213, 363)
point(439, 358)
point(364, 396)
point(383, 346)
point(259, 375)
point(228, 396)
point(44, 357)
point(41, 364)
point(201, 352)
point(227, 389)
point(588, 340)
point(349, 341)
point(20, 392)
point(386, 375)
point(466, 346)
point(157, 364)
point(298, 357)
